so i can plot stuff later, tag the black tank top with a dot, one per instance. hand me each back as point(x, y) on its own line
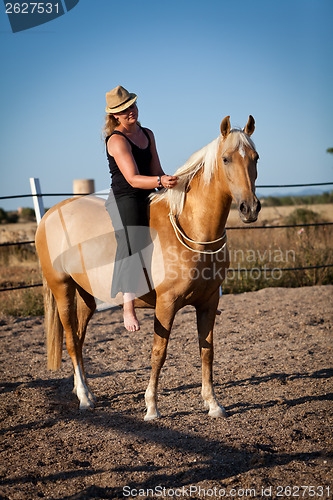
point(142, 157)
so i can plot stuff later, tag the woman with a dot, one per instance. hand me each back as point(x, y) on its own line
point(135, 172)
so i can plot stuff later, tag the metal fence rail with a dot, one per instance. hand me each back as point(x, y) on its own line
point(8, 244)
point(264, 186)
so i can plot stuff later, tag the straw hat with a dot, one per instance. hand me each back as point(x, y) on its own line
point(118, 100)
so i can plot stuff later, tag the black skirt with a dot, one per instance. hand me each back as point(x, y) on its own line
point(129, 216)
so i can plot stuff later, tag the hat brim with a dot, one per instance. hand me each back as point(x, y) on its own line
point(122, 107)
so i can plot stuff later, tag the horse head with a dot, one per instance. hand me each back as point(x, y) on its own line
point(238, 163)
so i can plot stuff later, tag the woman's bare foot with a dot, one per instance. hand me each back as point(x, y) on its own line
point(130, 320)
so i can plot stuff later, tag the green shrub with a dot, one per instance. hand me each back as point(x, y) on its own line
point(310, 199)
point(3, 215)
point(12, 217)
point(27, 214)
point(303, 216)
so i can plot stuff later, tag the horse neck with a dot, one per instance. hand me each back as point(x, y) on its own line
point(206, 208)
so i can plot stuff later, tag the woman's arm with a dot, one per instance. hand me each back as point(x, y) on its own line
point(155, 165)
point(120, 149)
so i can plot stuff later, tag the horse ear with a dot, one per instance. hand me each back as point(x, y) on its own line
point(225, 126)
point(249, 129)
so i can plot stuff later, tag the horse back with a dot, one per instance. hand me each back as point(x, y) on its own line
point(76, 238)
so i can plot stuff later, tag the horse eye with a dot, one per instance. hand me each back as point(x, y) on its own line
point(226, 160)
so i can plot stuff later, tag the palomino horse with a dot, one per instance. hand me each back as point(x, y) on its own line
point(75, 243)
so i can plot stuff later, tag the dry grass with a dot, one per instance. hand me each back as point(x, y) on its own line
point(261, 250)
point(19, 266)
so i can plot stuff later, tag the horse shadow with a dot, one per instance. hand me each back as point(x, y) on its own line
point(216, 463)
point(282, 378)
point(216, 460)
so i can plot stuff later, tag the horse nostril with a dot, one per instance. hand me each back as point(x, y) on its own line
point(243, 208)
point(258, 206)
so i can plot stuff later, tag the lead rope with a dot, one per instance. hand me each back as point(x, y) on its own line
point(177, 230)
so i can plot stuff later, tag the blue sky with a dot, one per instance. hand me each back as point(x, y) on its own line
point(191, 63)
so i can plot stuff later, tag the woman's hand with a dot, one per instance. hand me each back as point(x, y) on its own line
point(169, 181)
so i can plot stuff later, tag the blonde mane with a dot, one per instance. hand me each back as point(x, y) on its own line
point(204, 160)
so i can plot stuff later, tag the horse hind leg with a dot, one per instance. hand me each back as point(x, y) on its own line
point(64, 294)
point(205, 322)
point(85, 308)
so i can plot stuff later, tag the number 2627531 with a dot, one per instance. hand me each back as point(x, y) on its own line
point(32, 8)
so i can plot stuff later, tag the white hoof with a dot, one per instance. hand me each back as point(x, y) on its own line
point(217, 412)
point(89, 394)
point(152, 415)
point(86, 405)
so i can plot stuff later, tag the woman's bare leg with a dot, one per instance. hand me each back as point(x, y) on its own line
point(130, 320)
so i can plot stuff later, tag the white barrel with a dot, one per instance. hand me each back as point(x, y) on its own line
point(83, 186)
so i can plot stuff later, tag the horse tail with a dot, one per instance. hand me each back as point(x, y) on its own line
point(53, 328)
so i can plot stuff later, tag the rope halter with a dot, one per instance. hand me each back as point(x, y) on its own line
point(179, 232)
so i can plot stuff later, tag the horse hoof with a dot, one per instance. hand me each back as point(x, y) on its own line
point(152, 416)
point(218, 412)
point(87, 405)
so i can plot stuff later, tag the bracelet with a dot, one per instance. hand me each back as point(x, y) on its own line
point(159, 181)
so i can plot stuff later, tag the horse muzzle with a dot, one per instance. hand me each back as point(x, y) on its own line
point(249, 211)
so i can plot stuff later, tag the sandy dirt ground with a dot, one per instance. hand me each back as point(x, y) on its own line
point(272, 373)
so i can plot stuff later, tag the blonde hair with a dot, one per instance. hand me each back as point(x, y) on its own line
point(110, 124)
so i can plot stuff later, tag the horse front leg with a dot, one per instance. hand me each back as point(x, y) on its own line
point(162, 326)
point(205, 321)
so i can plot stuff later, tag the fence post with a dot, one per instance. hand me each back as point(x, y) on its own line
point(38, 200)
